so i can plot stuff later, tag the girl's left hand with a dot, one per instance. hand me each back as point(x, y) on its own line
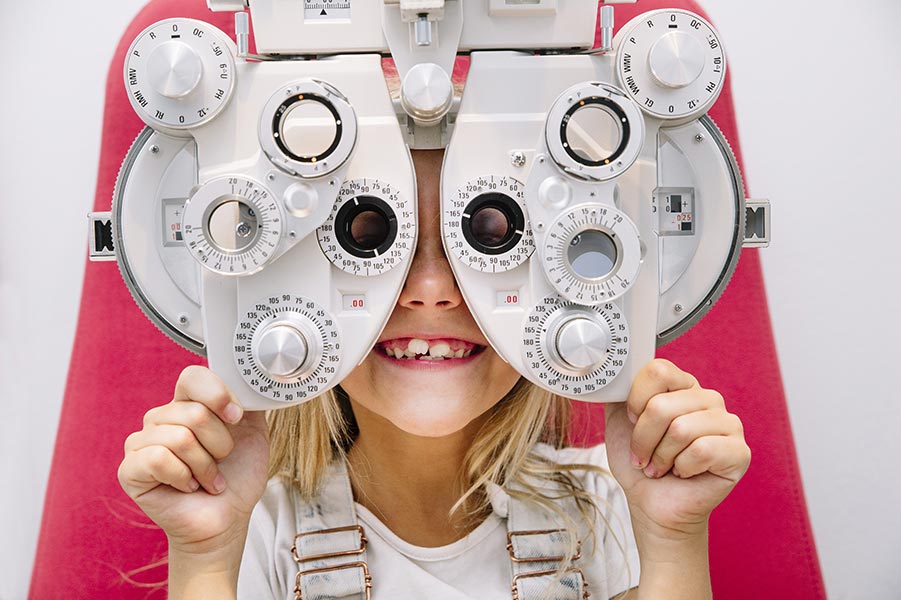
point(675, 450)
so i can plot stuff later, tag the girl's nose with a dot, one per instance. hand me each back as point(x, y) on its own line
point(430, 283)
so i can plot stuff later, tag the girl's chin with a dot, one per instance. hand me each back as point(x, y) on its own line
point(432, 421)
point(426, 411)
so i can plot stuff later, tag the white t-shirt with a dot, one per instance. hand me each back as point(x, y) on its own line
point(476, 567)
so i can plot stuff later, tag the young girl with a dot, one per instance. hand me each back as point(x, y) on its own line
point(453, 466)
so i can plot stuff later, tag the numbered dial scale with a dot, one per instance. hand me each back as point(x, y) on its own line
point(592, 254)
point(287, 348)
point(326, 10)
point(232, 225)
point(671, 63)
point(485, 224)
point(370, 230)
point(179, 73)
point(573, 349)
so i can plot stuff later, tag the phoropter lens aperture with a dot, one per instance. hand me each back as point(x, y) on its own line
point(366, 226)
point(307, 128)
point(595, 131)
point(232, 226)
point(493, 223)
point(491, 226)
point(592, 254)
point(369, 229)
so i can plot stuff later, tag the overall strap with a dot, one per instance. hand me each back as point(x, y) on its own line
point(537, 540)
point(330, 546)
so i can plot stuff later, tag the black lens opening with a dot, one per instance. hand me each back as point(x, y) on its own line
point(366, 226)
point(493, 223)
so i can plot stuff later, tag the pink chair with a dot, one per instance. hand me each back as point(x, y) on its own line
point(95, 543)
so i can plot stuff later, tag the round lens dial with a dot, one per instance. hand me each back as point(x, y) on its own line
point(594, 131)
point(179, 73)
point(485, 224)
point(308, 128)
point(371, 229)
point(575, 350)
point(232, 225)
point(591, 254)
point(672, 64)
point(287, 348)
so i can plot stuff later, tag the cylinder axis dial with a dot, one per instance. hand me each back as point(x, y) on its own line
point(592, 254)
point(287, 348)
point(485, 224)
point(308, 128)
point(573, 349)
point(594, 131)
point(672, 63)
point(179, 73)
point(232, 225)
point(371, 229)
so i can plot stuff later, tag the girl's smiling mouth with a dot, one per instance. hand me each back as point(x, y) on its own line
point(438, 349)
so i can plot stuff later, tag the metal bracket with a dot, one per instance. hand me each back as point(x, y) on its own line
point(100, 237)
point(757, 224)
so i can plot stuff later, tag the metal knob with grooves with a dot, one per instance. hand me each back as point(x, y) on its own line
point(677, 59)
point(174, 69)
point(282, 350)
point(427, 93)
point(582, 343)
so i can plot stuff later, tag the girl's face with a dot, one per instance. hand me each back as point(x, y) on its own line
point(423, 396)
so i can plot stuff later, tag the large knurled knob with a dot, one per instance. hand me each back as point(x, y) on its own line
point(427, 93)
point(174, 69)
point(677, 59)
point(582, 343)
point(282, 350)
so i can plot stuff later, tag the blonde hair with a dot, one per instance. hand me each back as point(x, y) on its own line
point(306, 438)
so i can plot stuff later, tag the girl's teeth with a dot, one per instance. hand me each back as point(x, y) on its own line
point(420, 350)
point(417, 346)
point(440, 349)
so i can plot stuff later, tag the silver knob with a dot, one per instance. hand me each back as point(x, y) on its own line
point(677, 59)
point(282, 350)
point(174, 69)
point(582, 343)
point(427, 93)
point(423, 31)
point(606, 28)
point(242, 32)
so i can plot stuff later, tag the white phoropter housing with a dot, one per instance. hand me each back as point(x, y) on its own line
point(635, 203)
point(242, 278)
point(267, 216)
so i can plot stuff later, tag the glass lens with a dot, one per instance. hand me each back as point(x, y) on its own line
point(308, 129)
point(369, 229)
point(592, 254)
point(232, 226)
point(490, 226)
point(594, 133)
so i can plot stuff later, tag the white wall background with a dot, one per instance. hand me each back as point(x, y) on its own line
point(817, 86)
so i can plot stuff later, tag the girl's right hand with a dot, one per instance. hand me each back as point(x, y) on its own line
point(199, 465)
